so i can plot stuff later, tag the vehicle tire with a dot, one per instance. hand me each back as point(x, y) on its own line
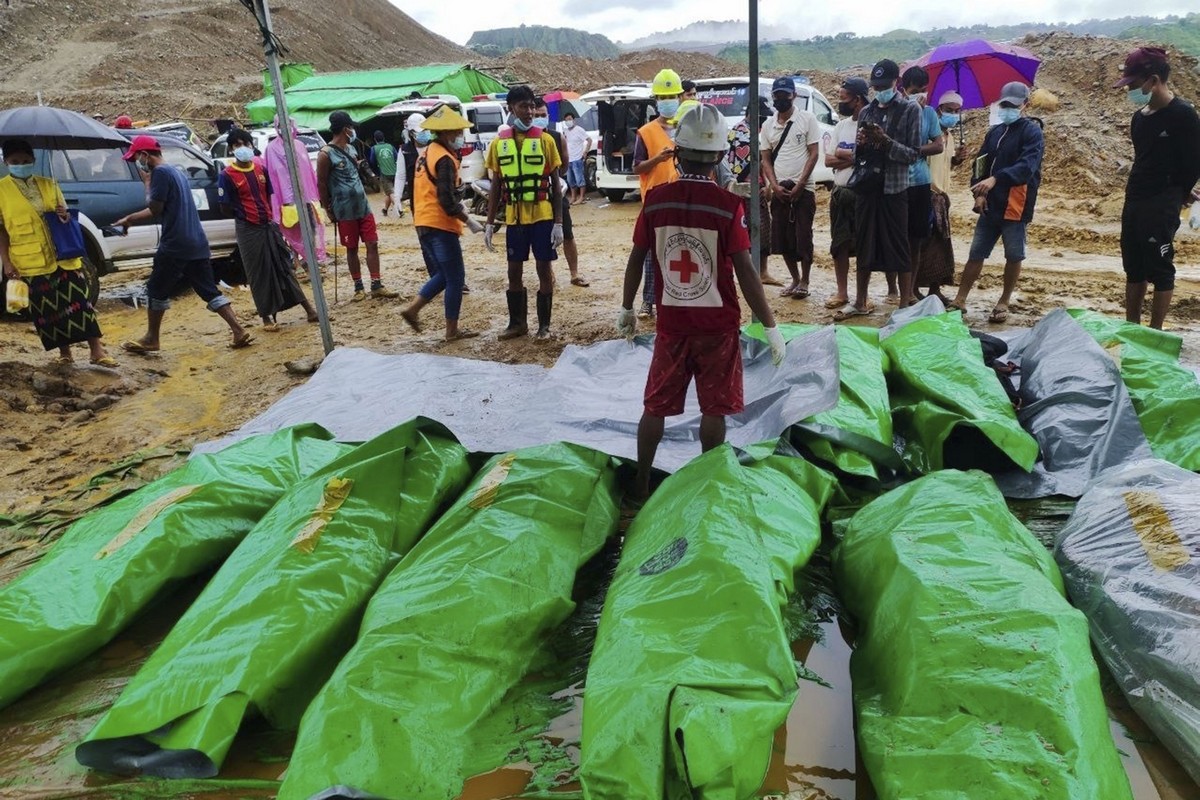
point(589, 173)
point(93, 279)
point(614, 195)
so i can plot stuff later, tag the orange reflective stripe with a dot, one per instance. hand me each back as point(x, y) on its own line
point(1016, 203)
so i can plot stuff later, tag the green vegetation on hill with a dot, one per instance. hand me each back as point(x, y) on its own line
point(544, 39)
point(848, 50)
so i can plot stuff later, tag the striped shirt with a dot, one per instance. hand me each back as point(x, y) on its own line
point(245, 190)
point(905, 132)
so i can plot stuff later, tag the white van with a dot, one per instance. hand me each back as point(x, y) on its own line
point(486, 117)
point(624, 109)
point(312, 141)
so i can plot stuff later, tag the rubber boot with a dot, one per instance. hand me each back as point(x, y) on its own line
point(518, 314)
point(545, 304)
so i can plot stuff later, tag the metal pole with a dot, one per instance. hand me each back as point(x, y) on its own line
point(302, 208)
point(752, 119)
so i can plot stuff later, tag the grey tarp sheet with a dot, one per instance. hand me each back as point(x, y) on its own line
point(1130, 558)
point(1076, 406)
point(592, 396)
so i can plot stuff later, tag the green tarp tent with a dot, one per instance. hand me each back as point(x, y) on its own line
point(291, 74)
point(363, 93)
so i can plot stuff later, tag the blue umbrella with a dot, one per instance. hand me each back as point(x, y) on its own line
point(57, 129)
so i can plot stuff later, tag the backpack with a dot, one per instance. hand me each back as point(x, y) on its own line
point(385, 158)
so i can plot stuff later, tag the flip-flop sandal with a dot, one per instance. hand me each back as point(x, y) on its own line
point(272, 327)
point(238, 344)
point(835, 302)
point(850, 312)
point(60, 361)
point(953, 306)
point(138, 348)
point(892, 299)
point(463, 333)
point(999, 316)
point(800, 294)
point(413, 322)
point(787, 292)
point(771, 280)
point(466, 289)
point(107, 361)
point(579, 282)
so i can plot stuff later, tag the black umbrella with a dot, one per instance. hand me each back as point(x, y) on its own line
point(57, 129)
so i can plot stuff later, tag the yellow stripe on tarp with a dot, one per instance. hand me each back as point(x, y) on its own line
point(335, 493)
point(1155, 530)
point(489, 486)
point(144, 517)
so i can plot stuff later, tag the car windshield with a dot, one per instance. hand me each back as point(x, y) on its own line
point(193, 165)
point(98, 165)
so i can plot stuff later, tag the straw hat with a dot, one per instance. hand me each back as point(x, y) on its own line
point(445, 118)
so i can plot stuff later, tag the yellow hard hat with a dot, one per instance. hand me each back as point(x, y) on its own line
point(667, 83)
point(445, 118)
point(684, 107)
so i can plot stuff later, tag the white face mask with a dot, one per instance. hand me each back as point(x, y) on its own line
point(570, 124)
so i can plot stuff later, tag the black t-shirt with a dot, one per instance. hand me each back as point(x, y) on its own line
point(1166, 151)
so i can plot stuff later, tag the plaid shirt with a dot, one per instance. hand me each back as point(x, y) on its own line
point(906, 142)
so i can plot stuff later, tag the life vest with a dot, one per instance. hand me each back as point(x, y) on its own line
point(655, 137)
point(29, 244)
point(427, 211)
point(524, 169)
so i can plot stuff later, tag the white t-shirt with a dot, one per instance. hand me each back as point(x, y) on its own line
point(576, 139)
point(845, 136)
point(793, 155)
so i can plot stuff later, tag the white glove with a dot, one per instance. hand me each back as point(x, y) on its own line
point(626, 322)
point(556, 235)
point(488, 231)
point(778, 348)
point(473, 226)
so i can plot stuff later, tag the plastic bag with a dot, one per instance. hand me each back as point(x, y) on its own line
point(454, 627)
point(16, 295)
point(273, 622)
point(1130, 556)
point(972, 675)
point(693, 671)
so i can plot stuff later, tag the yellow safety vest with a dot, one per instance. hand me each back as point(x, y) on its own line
point(523, 169)
point(29, 245)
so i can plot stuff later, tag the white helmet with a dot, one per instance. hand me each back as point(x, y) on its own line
point(702, 134)
point(413, 123)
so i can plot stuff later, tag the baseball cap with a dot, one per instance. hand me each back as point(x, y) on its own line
point(1015, 94)
point(884, 73)
point(857, 87)
point(783, 85)
point(1141, 63)
point(142, 144)
point(339, 120)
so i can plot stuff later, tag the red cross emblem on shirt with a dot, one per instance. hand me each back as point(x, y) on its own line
point(685, 266)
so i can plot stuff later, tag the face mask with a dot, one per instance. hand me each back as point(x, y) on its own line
point(243, 154)
point(353, 134)
point(668, 108)
point(1009, 115)
point(949, 120)
point(22, 171)
point(521, 124)
point(885, 96)
point(782, 104)
point(424, 137)
point(143, 165)
point(919, 97)
point(1139, 97)
point(541, 122)
point(570, 124)
point(846, 109)
point(459, 142)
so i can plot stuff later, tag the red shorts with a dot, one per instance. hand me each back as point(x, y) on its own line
point(715, 360)
point(352, 231)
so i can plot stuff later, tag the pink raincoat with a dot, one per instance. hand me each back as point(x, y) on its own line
point(281, 191)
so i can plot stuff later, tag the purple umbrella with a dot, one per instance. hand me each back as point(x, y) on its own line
point(977, 70)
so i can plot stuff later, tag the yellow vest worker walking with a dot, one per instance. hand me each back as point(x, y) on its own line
point(523, 164)
point(439, 216)
point(654, 158)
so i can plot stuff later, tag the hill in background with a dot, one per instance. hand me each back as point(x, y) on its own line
point(160, 59)
point(543, 39)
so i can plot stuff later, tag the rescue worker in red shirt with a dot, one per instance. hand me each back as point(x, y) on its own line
point(243, 191)
point(697, 236)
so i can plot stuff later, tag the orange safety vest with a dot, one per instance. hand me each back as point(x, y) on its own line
point(655, 137)
point(427, 211)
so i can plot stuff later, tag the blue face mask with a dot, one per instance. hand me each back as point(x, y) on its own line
point(424, 137)
point(22, 171)
point(459, 142)
point(1139, 97)
point(244, 154)
point(885, 96)
point(1009, 115)
point(949, 120)
point(668, 108)
point(353, 134)
point(541, 122)
point(521, 124)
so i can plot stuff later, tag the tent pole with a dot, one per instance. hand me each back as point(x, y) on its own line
point(263, 13)
point(753, 120)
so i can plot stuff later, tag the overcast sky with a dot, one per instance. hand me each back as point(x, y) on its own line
point(623, 20)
